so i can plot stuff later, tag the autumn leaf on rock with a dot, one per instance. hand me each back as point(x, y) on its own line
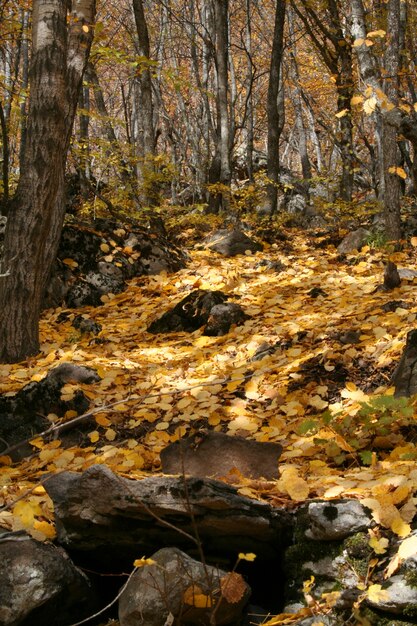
point(233, 587)
point(376, 594)
point(400, 528)
point(194, 596)
point(378, 544)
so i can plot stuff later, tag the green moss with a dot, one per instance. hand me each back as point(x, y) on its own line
point(377, 619)
point(308, 551)
point(411, 610)
point(411, 578)
point(358, 553)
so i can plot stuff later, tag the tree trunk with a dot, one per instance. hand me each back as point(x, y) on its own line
point(369, 75)
point(392, 195)
point(273, 108)
point(144, 79)
point(59, 54)
point(249, 118)
point(5, 163)
point(24, 85)
point(221, 161)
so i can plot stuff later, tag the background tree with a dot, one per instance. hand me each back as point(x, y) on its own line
point(273, 107)
point(60, 47)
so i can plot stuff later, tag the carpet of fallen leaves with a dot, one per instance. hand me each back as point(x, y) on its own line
point(328, 347)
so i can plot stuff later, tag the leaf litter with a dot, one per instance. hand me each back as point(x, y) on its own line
point(307, 372)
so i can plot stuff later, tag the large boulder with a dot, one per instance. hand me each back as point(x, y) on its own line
point(232, 242)
point(216, 454)
point(24, 414)
point(200, 308)
point(353, 241)
point(112, 516)
point(40, 584)
point(177, 585)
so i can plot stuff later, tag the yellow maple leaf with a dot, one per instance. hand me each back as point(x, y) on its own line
point(378, 545)
point(400, 528)
point(308, 585)
point(26, 512)
point(45, 528)
point(249, 556)
point(296, 487)
point(399, 171)
point(408, 548)
point(342, 113)
point(194, 596)
point(94, 436)
point(143, 561)
point(376, 33)
point(369, 105)
point(376, 594)
point(355, 100)
point(102, 420)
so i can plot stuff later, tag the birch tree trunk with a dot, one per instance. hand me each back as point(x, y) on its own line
point(60, 49)
point(392, 194)
point(369, 75)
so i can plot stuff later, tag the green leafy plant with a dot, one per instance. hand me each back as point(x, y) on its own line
point(380, 417)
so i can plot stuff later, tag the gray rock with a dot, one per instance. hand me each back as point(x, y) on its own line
point(215, 454)
point(353, 241)
point(82, 294)
point(404, 377)
point(336, 520)
point(222, 317)
point(296, 204)
point(398, 597)
point(105, 283)
point(98, 510)
point(109, 269)
point(232, 242)
point(40, 583)
point(157, 591)
point(406, 273)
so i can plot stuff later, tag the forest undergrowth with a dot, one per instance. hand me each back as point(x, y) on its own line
point(310, 369)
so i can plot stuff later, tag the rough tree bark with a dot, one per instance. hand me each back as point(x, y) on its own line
point(60, 48)
point(145, 105)
point(325, 29)
point(392, 196)
point(220, 168)
point(273, 107)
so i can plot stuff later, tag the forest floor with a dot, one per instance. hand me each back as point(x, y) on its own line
point(322, 390)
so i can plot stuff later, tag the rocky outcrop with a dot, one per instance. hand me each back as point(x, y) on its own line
point(97, 259)
point(24, 414)
point(98, 510)
point(200, 308)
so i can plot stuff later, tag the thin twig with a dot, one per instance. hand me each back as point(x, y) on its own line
point(87, 619)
